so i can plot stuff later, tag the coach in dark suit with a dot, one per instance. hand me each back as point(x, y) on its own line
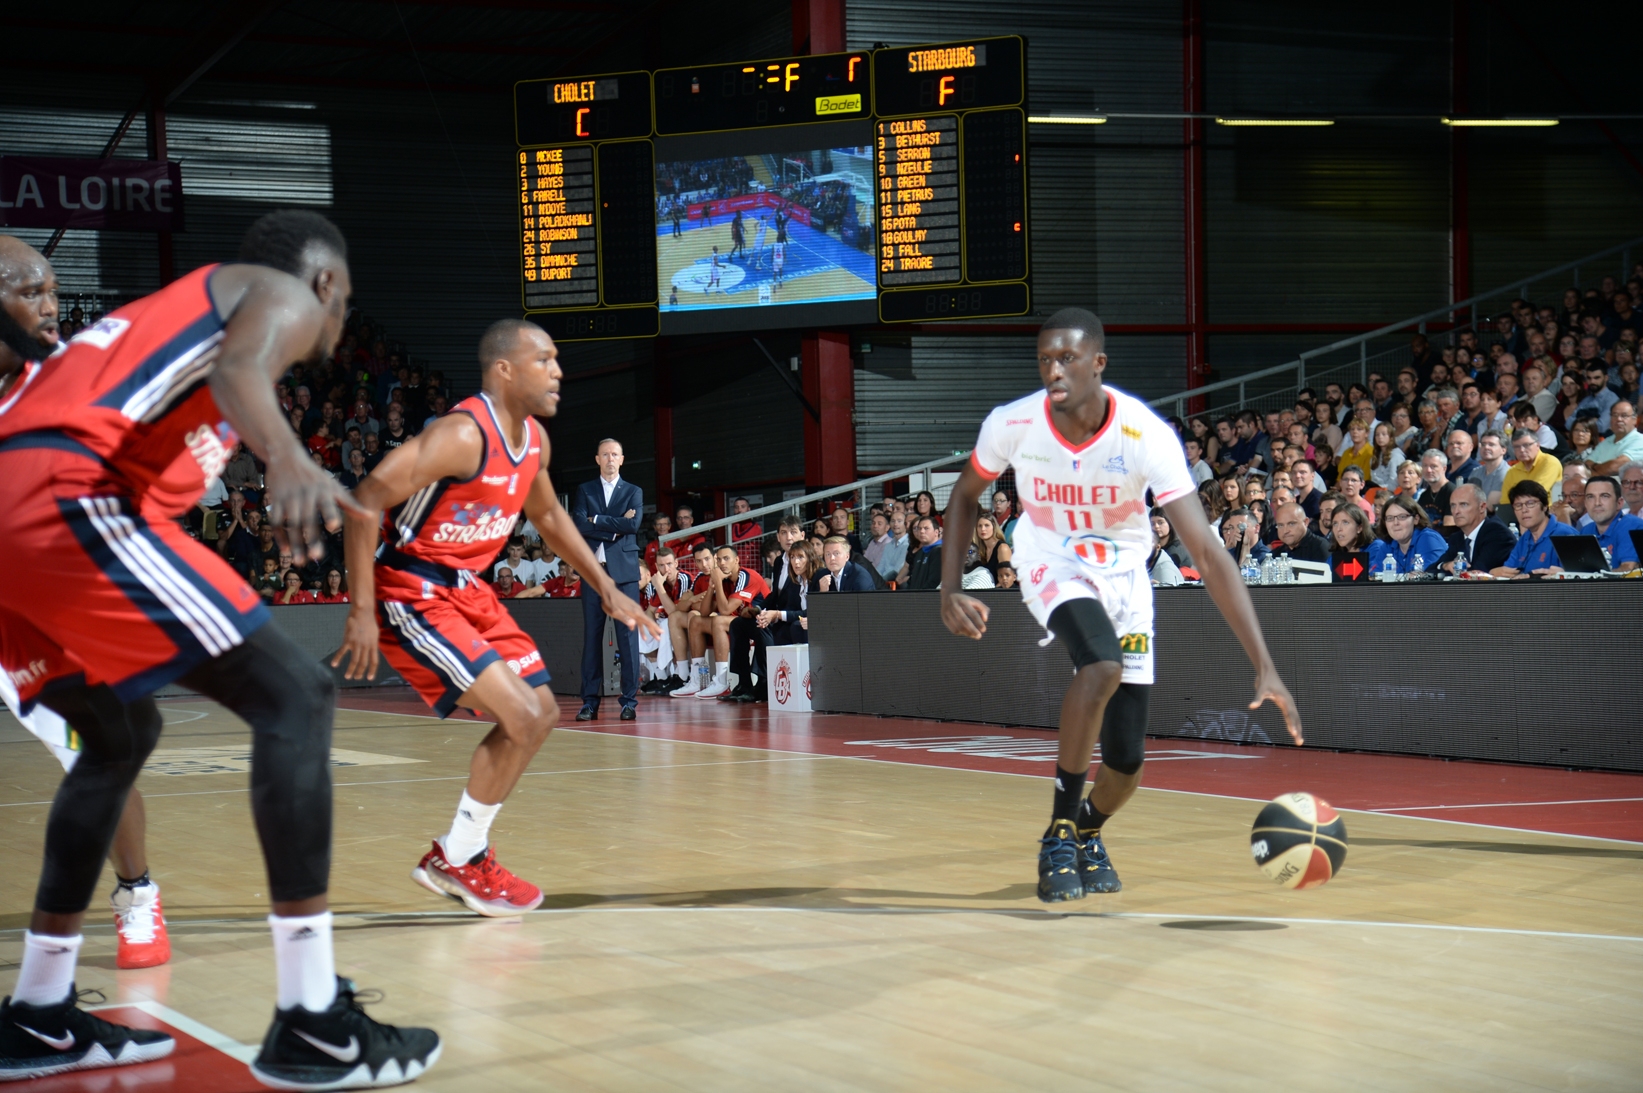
point(607, 512)
point(1482, 540)
point(841, 574)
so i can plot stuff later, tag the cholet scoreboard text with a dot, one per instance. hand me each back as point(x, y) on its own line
point(947, 128)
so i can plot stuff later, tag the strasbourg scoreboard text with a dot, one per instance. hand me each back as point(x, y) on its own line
point(947, 128)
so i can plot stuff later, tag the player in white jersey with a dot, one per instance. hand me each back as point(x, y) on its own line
point(29, 336)
point(1085, 457)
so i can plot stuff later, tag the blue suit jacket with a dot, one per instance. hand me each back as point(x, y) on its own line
point(601, 523)
point(852, 578)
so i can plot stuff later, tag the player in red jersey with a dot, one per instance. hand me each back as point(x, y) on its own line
point(112, 439)
point(452, 496)
point(28, 337)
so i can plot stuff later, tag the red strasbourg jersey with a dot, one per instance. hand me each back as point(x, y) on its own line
point(461, 523)
point(133, 389)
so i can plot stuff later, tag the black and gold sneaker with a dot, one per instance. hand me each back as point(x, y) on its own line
point(37, 1041)
point(342, 1048)
point(1094, 866)
point(1058, 877)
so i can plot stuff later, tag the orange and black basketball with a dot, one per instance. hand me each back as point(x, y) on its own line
point(1299, 841)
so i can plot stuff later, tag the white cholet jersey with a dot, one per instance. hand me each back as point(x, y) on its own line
point(1084, 504)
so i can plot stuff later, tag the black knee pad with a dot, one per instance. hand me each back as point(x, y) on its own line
point(1083, 626)
point(115, 740)
point(1124, 728)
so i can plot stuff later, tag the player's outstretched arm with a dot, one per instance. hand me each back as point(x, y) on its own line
point(273, 319)
point(559, 531)
point(1226, 587)
point(964, 615)
point(451, 447)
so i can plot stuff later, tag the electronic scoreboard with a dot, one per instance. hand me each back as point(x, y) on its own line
point(840, 189)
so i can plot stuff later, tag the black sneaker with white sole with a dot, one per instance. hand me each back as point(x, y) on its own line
point(37, 1041)
point(342, 1048)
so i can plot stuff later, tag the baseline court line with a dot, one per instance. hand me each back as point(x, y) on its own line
point(1509, 804)
point(463, 777)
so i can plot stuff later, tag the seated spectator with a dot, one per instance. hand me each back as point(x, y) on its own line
point(1598, 398)
point(1436, 488)
point(1569, 500)
point(840, 573)
point(1533, 555)
point(1349, 534)
point(1536, 391)
point(566, 586)
point(1492, 467)
point(1003, 515)
point(659, 592)
point(239, 535)
point(241, 473)
point(1201, 471)
point(684, 518)
point(1359, 452)
point(1526, 419)
point(838, 524)
point(508, 587)
point(781, 621)
point(1325, 523)
point(924, 504)
point(745, 535)
point(888, 550)
point(1165, 539)
point(270, 580)
point(1404, 431)
point(987, 547)
point(1533, 465)
point(355, 472)
point(1162, 568)
point(1308, 491)
point(736, 592)
point(1350, 486)
point(1212, 497)
point(373, 452)
point(660, 525)
point(1232, 492)
point(1623, 446)
point(1296, 538)
point(1241, 535)
point(1431, 427)
point(333, 590)
point(525, 572)
point(1406, 538)
point(1631, 489)
point(1385, 458)
point(293, 592)
point(1252, 490)
point(922, 570)
point(1480, 539)
point(1409, 482)
point(1612, 527)
point(1583, 440)
point(1006, 576)
point(1490, 415)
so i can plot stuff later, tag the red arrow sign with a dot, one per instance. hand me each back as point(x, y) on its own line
point(1351, 568)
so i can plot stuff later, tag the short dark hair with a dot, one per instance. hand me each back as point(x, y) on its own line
point(1077, 318)
point(665, 550)
point(1612, 480)
point(1529, 488)
point(279, 240)
point(499, 338)
point(1310, 465)
point(701, 547)
point(1525, 410)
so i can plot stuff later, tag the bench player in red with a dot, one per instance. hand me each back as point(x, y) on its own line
point(110, 442)
point(452, 495)
point(28, 337)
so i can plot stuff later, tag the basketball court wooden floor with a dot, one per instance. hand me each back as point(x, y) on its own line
point(746, 901)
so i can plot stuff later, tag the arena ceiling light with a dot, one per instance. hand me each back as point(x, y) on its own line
point(1308, 122)
point(1067, 119)
point(1500, 123)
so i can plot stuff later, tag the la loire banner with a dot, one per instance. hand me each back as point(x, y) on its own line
point(101, 194)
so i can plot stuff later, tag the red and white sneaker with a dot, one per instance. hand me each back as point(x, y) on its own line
point(140, 922)
point(485, 886)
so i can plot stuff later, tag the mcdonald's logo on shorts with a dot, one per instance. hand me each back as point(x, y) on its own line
point(1135, 643)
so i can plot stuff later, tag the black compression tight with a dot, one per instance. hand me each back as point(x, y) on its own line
point(115, 739)
point(286, 696)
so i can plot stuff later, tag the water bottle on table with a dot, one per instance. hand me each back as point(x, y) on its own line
point(1389, 570)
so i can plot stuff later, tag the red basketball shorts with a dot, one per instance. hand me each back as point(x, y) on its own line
point(441, 637)
point(95, 590)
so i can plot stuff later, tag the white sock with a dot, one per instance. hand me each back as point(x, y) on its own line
point(470, 830)
point(47, 974)
point(303, 961)
point(721, 672)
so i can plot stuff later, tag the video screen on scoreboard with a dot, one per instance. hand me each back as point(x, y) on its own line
point(769, 232)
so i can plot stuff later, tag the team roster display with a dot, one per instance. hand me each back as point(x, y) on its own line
point(832, 190)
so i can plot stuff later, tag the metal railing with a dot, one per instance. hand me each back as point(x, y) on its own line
point(1310, 368)
point(1307, 373)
